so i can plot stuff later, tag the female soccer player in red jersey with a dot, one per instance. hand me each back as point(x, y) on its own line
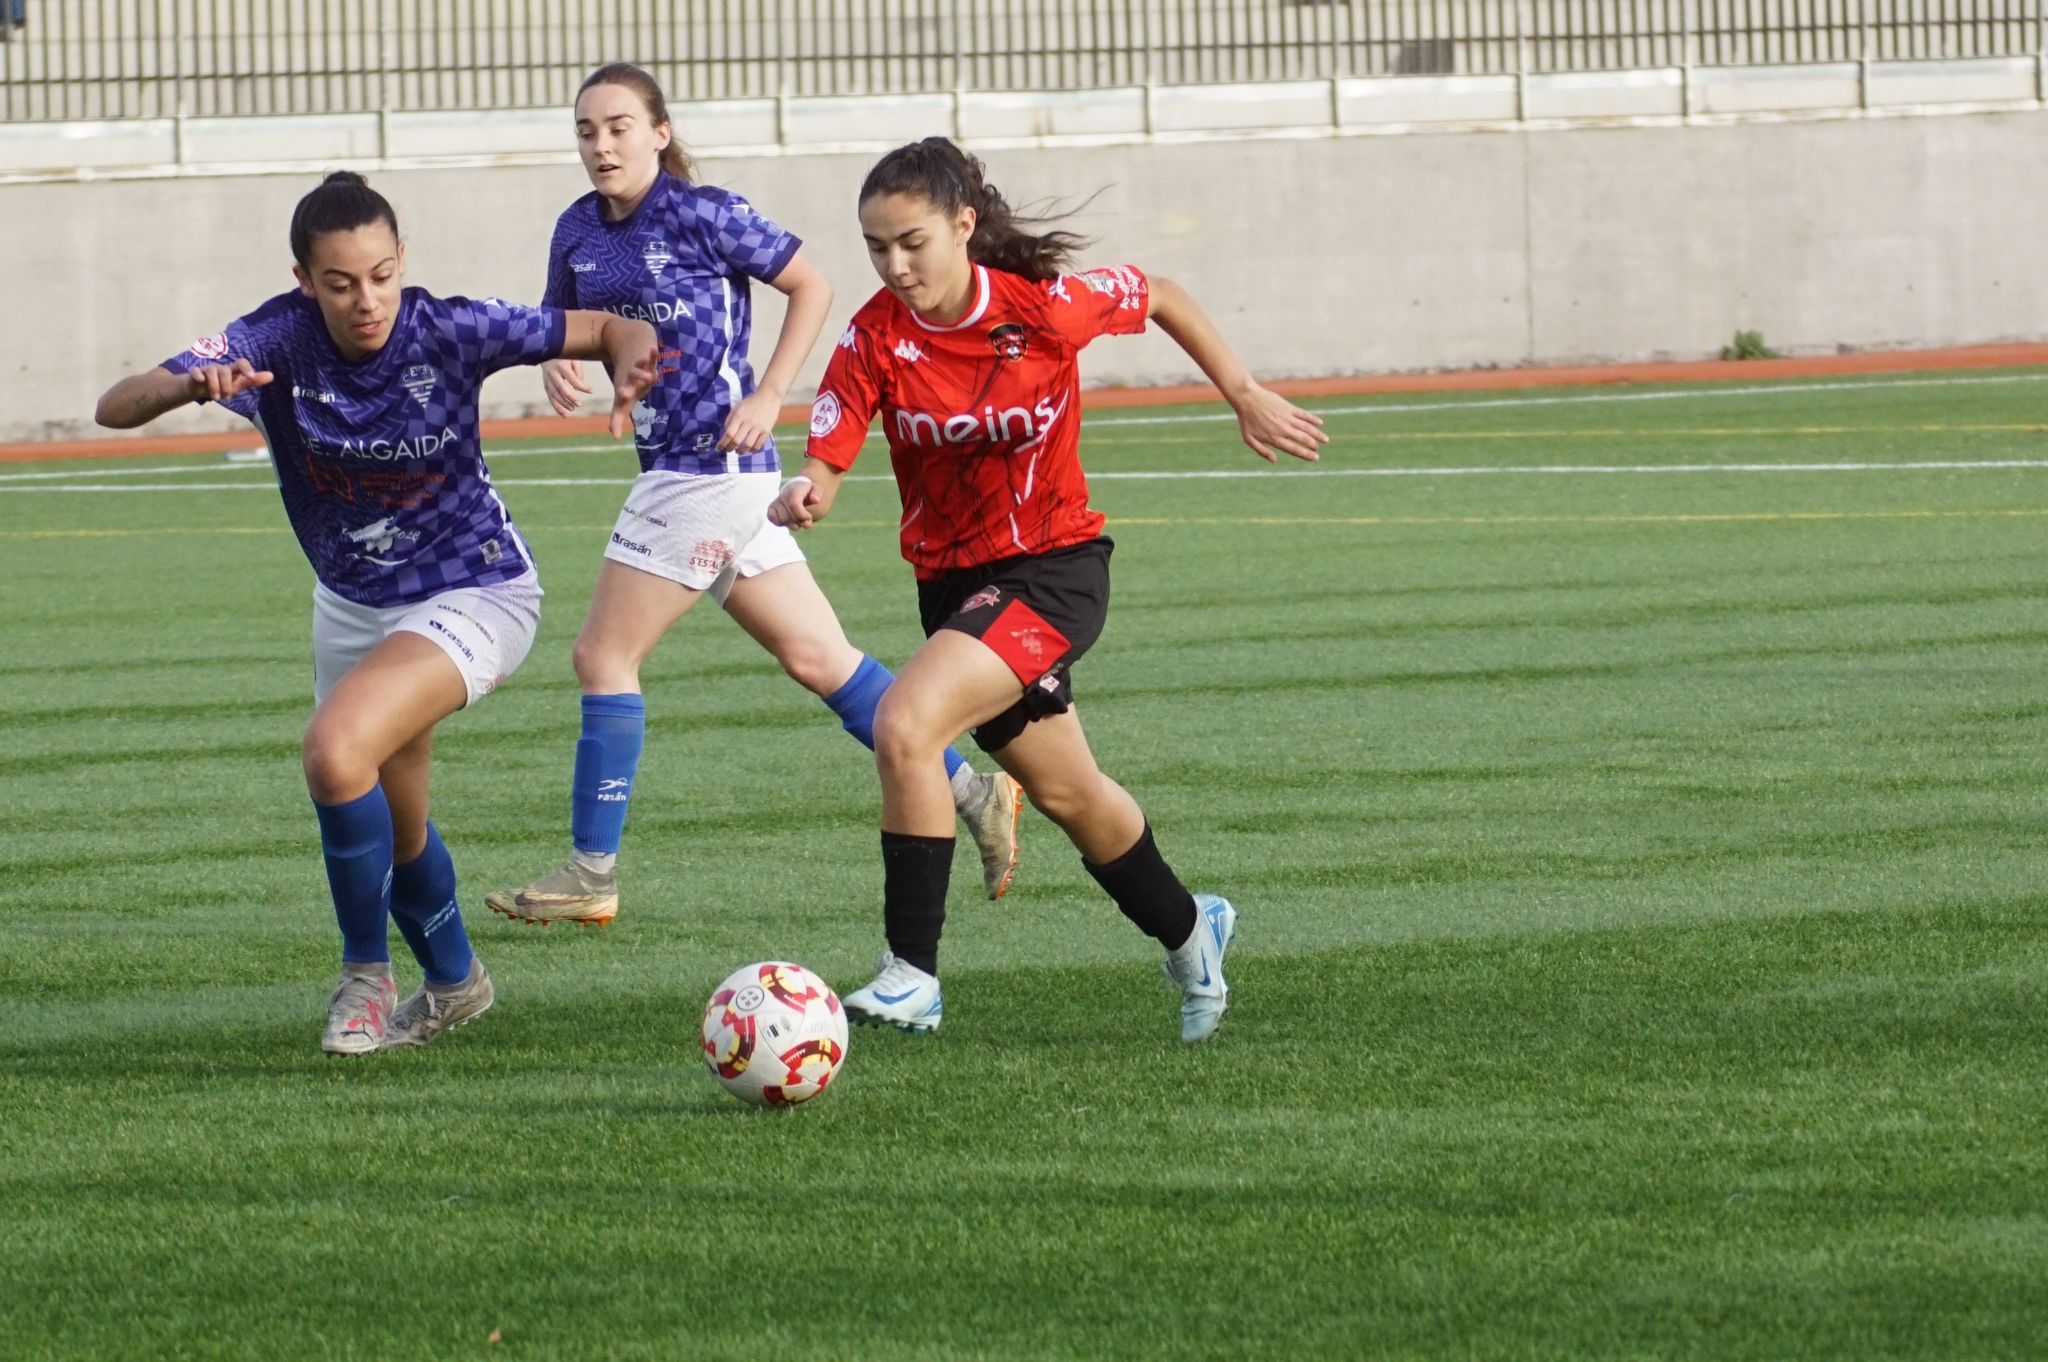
point(650, 241)
point(969, 354)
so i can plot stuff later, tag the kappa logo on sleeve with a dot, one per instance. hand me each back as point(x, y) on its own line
point(825, 414)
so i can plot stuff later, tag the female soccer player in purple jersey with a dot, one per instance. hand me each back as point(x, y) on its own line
point(426, 597)
point(649, 242)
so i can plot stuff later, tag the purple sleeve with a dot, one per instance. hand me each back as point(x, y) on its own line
point(561, 284)
point(750, 243)
point(243, 338)
point(493, 334)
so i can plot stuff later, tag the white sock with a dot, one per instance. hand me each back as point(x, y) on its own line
point(963, 787)
point(595, 862)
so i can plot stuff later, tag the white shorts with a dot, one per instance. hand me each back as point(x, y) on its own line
point(702, 530)
point(485, 630)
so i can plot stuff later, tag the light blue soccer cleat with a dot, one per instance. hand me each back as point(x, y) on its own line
point(901, 995)
point(1196, 969)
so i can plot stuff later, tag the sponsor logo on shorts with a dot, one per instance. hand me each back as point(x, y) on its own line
point(981, 599)
point(483, 630)
point(711, 555)
point(1049, 683)
point(210, 347)
point(650, 518)
point(454, 638)
point(631, 546)
point(825, 413)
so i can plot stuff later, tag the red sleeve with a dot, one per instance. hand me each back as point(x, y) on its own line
point(848, 397)
point(1111, 301)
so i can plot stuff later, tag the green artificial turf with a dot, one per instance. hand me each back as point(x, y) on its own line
point(1641, 949)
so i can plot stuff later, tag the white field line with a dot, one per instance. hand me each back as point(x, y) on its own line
point(1451, 403)
point(1533, 470)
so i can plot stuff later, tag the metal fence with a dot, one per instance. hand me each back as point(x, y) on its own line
point(93, 59)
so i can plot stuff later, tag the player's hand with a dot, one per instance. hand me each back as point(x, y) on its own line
point(629, 384)
point(563, 380)
point(797, 506)
point(1269, 422)
point(750, 424)
point(219, 382)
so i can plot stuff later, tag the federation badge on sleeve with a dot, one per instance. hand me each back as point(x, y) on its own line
point(210, 347)
point(824, 414)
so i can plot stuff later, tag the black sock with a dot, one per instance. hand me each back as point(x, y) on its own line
point(914, 875)
point(1148, 891)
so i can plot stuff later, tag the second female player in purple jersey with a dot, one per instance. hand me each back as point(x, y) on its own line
point(650, 243)
point(425, 598)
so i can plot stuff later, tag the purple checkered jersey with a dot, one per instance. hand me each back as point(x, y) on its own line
point(379, 460)
point(684, 262)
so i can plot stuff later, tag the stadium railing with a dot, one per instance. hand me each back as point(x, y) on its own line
point(148, 59)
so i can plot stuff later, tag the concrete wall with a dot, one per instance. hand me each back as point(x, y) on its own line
point(1318, 255)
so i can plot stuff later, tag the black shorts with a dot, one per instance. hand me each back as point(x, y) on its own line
point(1038, 613)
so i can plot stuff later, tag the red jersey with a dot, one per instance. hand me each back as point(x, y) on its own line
point(983, 417)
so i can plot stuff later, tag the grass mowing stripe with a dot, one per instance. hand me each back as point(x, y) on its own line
point(1639, 881)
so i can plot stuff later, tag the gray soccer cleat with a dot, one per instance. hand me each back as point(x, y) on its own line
point(1196, 969)
point(571, 894)
point(436, 1007)
point(991, 818)
point(359, 1010)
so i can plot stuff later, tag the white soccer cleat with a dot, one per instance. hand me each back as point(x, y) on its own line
point(433, 1009)
point(901, 995)
point(359, 1012)
point(570, 894)
point(1196, 969)
point(991, 820)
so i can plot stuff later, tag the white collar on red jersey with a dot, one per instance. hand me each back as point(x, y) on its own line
point(974, 314)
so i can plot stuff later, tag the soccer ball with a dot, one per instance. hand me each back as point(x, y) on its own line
point(774, 1034)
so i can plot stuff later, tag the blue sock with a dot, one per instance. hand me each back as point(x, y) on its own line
point(423, 905)
point(855, 703)
point(607, 755)
point(356, 840)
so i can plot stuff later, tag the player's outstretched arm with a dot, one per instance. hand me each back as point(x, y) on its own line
point(806, 498)
point(1266, 420)
point(140, 398)
point(631, 353)
point(749, 425)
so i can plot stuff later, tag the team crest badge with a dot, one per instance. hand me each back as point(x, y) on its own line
point(418, 379)
point(657, 256)
point(1009, 340)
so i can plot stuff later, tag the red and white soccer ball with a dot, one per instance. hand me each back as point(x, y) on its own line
point(774, 1034)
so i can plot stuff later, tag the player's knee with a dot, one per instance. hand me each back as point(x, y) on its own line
point(905, 734)
point(337, 769)
point(600, 670)
point(820, 666)
point(1070, 799)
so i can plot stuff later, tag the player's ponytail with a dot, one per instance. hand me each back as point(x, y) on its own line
point(343, 202)
point(949, 179)
point(674, 159)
